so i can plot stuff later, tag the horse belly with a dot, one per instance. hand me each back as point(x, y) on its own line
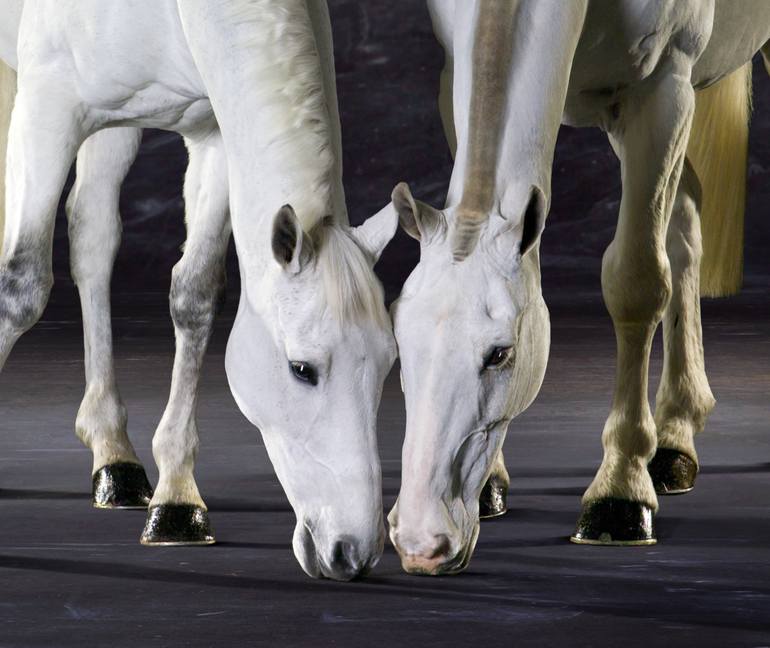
point(740, 30)
point(128, 62)
point(623, 44)
point(156, 105)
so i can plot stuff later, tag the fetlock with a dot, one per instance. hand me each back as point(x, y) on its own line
point(101, 426)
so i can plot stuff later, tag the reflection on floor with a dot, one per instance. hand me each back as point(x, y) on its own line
point(74, 575)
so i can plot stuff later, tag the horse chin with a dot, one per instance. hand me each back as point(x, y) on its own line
point(463, 558)
point(470, 547)
point(448, 567)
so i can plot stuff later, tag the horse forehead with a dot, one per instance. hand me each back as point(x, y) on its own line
point(453, 313)
point(301, 313)
point(446, 291)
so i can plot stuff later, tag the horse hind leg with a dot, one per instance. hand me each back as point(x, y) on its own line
point(684, 398)
point(118, 478)
point(177, 513)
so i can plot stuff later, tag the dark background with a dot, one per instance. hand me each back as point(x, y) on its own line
point(388, 64)
point(72, 575)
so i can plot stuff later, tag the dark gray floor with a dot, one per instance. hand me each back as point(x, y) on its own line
point(72, 575)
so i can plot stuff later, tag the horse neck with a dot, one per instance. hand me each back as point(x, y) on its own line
point(284, 142)
point(512, 61)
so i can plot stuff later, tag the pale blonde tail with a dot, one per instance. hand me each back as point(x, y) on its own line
point(718, 150)
point(7, 96)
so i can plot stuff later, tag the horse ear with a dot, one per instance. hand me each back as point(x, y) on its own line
point(533, 222)
point(376, 231)
point(292, 248)
point(520, 236)
point(419, 220)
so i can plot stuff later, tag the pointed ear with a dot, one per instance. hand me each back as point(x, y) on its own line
point(533, 221)
point(292, 248)
point(419, 220)
point(516, 238)
point(376, 232)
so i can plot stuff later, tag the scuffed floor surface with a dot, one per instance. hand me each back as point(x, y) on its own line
point(72, 575)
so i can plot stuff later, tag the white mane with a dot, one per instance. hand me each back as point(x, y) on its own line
point(288, 78)
point(288, 81)
point(352, 290)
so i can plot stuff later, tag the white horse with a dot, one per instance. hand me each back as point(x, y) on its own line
point(471, 324)
point(250, 85)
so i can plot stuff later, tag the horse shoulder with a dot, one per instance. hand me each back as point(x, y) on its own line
point(128, 63)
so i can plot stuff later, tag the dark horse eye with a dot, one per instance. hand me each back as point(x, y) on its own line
point(304, 372)
point(497, 357)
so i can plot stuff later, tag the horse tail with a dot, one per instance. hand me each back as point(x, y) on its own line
point(718, 150)
point(7, 96)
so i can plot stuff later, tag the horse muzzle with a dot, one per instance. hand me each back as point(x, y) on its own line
point(341, 557)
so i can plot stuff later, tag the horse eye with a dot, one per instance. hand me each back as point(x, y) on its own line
point(304, 372)
point(497, 356)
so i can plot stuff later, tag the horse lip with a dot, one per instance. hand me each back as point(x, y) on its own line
point(464, 555)
point(459, 562)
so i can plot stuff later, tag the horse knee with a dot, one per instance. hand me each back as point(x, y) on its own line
point(25, 284)
point(637, 287)
point(195, 296)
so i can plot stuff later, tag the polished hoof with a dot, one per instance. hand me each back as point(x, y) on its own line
point(177, 524)
point(121, 486)
point(672, 472)
point(492, 499)
point(613, 521)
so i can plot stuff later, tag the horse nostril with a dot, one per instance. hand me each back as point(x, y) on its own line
point(441, 546)
point(344, 559)
point(341, 553)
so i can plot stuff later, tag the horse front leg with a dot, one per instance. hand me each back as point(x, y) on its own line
point(650, 137)
point(684, 398)
point(177, 513)
point(118, 478)
point(43, 138)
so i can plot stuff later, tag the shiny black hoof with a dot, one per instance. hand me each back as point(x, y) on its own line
point(177, 524)
point(492, 499)
point(613, 521)
point(121, 486)
point(672, 472)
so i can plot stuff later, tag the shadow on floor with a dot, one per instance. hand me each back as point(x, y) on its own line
point(33, 494)
point(709, 604)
